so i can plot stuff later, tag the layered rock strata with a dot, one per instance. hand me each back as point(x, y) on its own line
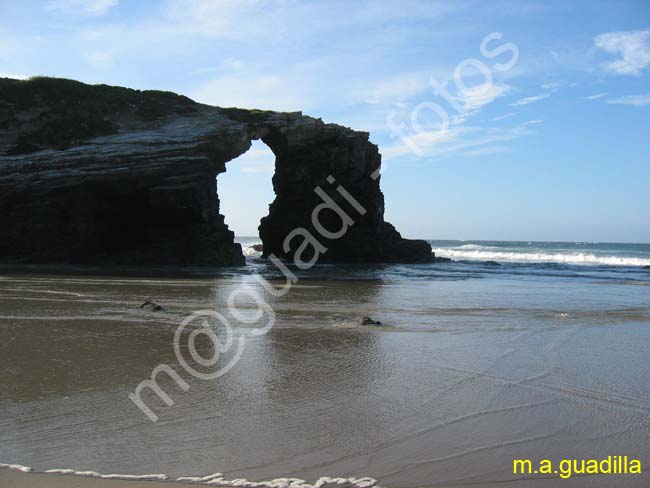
point(101, 174)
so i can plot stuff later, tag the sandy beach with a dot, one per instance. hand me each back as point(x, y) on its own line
point(463, 376)
point(11, 478)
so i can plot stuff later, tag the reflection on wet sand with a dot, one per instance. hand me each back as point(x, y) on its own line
point(503, 376)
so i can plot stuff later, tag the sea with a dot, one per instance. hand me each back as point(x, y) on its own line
point(508, 350)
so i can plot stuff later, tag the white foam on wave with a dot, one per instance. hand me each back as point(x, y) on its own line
point(578, 258)
point(95, 474)
point(470, 246)
point(16, 467)
point(249, 252)
point(216, 479)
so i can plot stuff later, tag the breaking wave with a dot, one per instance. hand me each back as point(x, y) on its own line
point(570, 253)
point(249, 252)
point(578, 258)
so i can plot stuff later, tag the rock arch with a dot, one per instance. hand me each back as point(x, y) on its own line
point(135, 182)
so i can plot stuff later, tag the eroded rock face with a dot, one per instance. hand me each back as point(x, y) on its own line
point(98, 174)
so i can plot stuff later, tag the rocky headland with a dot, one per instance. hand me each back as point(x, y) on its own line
point(103, 174)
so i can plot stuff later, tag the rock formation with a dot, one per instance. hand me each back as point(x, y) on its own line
point(100, 174)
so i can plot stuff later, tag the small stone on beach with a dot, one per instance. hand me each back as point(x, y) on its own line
point(369, 321)
point(153, 307)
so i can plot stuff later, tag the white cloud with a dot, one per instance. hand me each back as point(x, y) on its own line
point(93, 8)
point(596, 96)
point(476, 97)
point(301, 87)
point(531, 122)
point(273, 20)
point(231, 19)
point(438, 137)
point(396, 89)
point(488, 150)
point(551, 86)
point(307, 87)
point(633, 47)
point(635, 100)
point(527, 100)
point(271, 92)
point(464, 140)
point(505, 116)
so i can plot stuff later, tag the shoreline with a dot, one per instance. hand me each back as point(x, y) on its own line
point(16, 475)
point(21, 479)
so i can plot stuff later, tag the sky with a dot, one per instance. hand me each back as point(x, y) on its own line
point(497, 120)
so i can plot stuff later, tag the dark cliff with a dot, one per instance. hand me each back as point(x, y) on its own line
point(101, 174)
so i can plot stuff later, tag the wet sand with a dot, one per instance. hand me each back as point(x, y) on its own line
point(11, 479)
point(464, 377)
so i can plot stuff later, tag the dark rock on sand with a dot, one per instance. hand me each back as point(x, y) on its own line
point(102, 174)
point(152, 307)
point(369, 321)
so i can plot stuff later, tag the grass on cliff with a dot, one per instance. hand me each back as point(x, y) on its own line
point(58, 113)
point(246, 116)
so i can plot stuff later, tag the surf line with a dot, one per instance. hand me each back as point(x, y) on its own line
point(216, 479)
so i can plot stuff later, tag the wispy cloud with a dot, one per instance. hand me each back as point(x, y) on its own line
point(454, 140)
point(527, 100)
point(531, 122)
point(93, 8)
point(395, 89)
point(596, 96)
point(483, 151)
point(272, 91)
point(229, 19)
point(633, 47)
point(551, 86)
point(476, 97)
point(273, 21)
point(505, 116)
point(438, 139)
point(635, 100)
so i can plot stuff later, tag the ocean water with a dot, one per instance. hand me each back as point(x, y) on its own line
point(490, 259)
point(511, 350)
point(571, 253)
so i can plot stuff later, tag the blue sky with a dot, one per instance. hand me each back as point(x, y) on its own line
point(553, 146)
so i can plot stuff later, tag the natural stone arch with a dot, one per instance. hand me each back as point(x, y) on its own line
point(344, 165)
point(154, 158)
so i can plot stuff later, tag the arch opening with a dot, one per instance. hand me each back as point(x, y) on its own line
point(245, 191)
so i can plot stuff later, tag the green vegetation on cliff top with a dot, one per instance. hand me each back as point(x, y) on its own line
point(246, 116)
point(57, 113)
